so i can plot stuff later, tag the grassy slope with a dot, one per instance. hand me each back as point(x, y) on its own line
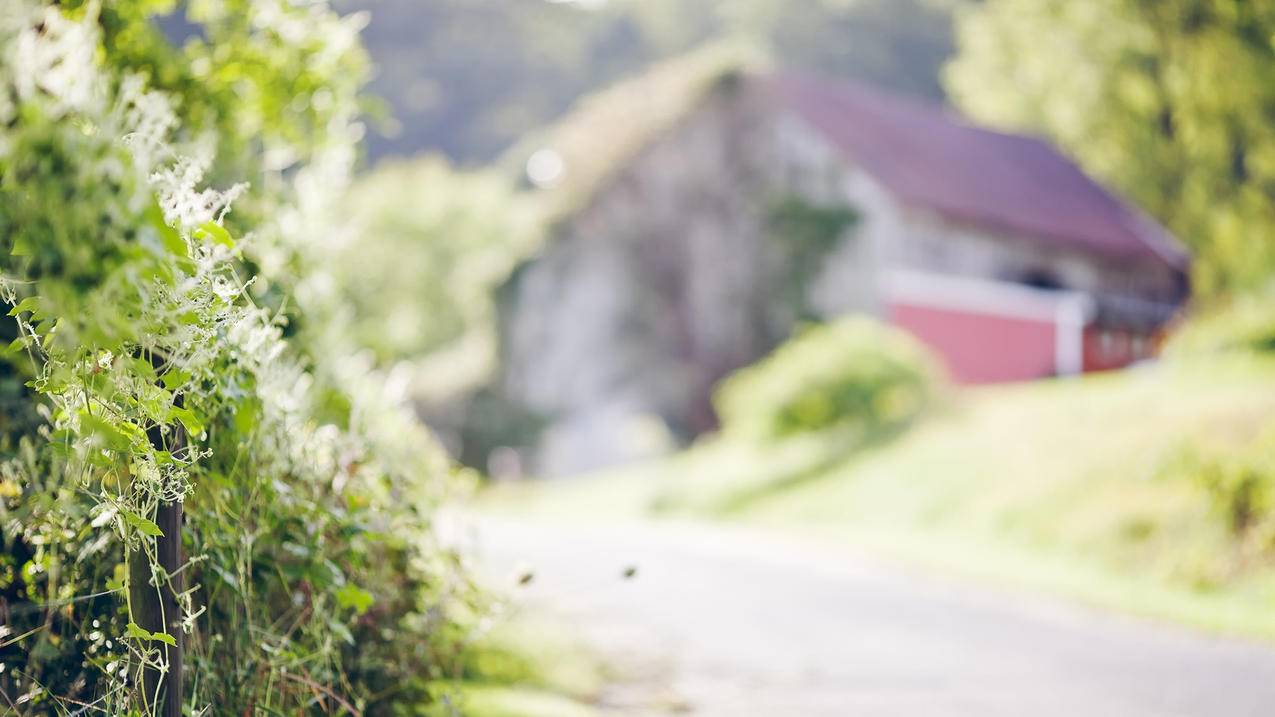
point(1067, 486)
point(528, 667)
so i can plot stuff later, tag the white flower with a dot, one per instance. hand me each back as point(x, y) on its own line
point(55, 57)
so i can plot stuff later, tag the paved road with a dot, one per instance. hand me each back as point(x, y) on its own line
point(726, 623)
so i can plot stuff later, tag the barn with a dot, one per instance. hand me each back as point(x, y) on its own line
point(703, 210)
point(1010, 262)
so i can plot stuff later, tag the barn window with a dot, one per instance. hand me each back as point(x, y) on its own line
point(1040, 279)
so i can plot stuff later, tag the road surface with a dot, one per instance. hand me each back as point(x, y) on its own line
point(721, 622)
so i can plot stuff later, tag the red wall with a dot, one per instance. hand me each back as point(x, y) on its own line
point(1107, 348)
point(980, 347)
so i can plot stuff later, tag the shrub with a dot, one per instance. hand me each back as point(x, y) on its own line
point(163, 352)
point(853, 371)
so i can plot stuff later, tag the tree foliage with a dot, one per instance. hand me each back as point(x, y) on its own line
point(172, 341)
point(431, 245)
point(1169, 100)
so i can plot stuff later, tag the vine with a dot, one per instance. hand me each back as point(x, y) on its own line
point(806, 233)
point(172, 360)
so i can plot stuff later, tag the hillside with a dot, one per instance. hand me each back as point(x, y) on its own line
point(1117, 489)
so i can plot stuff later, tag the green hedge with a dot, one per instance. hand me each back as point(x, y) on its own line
point(167, 217)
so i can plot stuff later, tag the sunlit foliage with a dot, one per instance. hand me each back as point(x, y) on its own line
point(432, 244)
point(164, 213)
point(1169, 100)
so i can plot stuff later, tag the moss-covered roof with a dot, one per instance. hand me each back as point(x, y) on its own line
point(603, 131)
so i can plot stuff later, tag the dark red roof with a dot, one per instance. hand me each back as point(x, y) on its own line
point(930, 157)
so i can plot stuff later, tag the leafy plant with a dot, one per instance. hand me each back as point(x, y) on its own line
point(853, 371)
point(166, 354)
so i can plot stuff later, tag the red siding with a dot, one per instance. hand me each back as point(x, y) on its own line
point(1109, 348)
point(980, 347)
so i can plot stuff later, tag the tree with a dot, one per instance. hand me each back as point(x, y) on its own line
point(431, 245)
point(1168, 100)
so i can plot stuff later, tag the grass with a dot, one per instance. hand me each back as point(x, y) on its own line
point(528, 666)
point(1074, 487)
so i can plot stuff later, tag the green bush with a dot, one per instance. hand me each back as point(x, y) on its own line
point(163, 351)
point(855, 371)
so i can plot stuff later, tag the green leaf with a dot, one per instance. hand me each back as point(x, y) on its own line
point(116, 581)
point(174, 378)
point(194, 425)
point(31, 303)
point(246, 415)
point(102, 430)
point(143, 368)
point(215, 232)
point(143, 525)
point(135, 631)
point(164, 638)
point(353, 596)
point(341, 631)
point(168, 236)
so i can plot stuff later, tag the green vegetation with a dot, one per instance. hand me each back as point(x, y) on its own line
point(430, 246)
point(805, 234)
point(1166, 100)
point(1148, 491)
point(1241, 323)
point(850, 372)
point(198, 462)
point(1089, 488)
point(529, 667)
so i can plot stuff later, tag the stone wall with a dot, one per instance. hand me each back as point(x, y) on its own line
point(652, 293)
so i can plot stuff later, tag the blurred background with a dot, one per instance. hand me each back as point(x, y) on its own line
point(980, 287)
point(582, 217)
point(582, 358)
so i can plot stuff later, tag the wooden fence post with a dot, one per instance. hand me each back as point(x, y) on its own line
point(158, 610)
